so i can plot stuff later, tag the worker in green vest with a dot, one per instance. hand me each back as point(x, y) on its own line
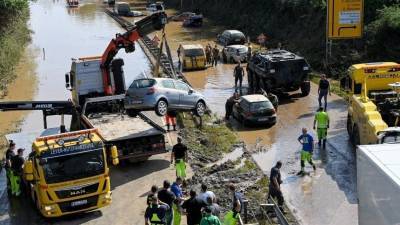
point(179, 154)
point(17, 164)
point(155, 213)
point(209, 218)
point(321, 119)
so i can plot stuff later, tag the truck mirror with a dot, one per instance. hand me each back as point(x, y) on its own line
point(28, 170)
point(67, 83)
point(114, 155)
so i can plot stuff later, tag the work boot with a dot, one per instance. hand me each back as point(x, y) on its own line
point(301, 172)
point(319, 143)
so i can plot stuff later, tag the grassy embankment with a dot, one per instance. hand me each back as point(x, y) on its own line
point(207, 145)
point(14, 35)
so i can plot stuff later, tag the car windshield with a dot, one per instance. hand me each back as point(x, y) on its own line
point(73, 166)
point(260, 106)
point(194, 52)
point(241, 50)
point(237, 35)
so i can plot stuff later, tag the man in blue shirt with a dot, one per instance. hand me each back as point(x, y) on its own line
point(176, 188)
point(306, 153)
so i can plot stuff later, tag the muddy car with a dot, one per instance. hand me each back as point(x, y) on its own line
point(231, 37)
point(163, 95)
point(254, 109)
point(234, 53)
point(278, 71)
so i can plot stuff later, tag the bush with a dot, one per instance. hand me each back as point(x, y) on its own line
point(383, 35)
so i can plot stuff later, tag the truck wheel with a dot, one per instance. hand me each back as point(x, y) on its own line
point(200, 109)
point(161, 107)
point(305, 88)
point(356, 136)
point(132, 112)
point(349, 126)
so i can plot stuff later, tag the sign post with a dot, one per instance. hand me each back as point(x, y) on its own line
point(344, 21)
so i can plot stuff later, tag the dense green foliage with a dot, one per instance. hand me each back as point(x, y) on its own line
point(14, 34)
point(300, 26)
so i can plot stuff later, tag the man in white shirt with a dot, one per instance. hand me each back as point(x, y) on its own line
point(204, 194)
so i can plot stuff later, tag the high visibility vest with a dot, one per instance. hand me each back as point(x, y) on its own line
point(230, 219)
point(322, 119)
point(155, 219)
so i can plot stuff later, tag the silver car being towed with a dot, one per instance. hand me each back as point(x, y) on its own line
point(163, 95)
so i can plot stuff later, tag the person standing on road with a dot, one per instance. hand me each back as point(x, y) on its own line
point(208, 54)
point(204, 193)
point(209, 218)
point(179, 153)
point(167, 197)
point(17, 164)
point(9, 155)
point(249, 52)
point(307, 141)
point(215, 55)
point(275, 182)
point(193, 207)
point(153, 191)
point(156, 213)
point(324, 88)
point(232, 216)
point(170, 119)
point(322, 120)
point(230, 102)
point(176, 188)
point(238, 73)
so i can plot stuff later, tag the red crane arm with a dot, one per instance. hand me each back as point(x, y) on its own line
point(155, 21)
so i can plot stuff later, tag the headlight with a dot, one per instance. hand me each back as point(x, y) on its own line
point(49, 208)
point(272, 70)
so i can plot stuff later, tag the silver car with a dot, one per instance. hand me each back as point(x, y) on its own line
point(234, 53)
point(163, 95)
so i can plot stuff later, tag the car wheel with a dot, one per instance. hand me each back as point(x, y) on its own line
point(200, 109)
point(132, 112)
point(305, 88)
point(161, 107)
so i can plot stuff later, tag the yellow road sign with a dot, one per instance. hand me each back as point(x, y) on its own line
point(345, 19)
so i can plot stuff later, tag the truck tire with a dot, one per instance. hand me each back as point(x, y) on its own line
point(132, 112)
point(161, 107)
point(356, 136)
point(305, 88)
point(200, 108)
point(349, 126)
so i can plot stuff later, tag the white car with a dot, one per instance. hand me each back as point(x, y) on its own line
point(234, 53)
point(155, 7)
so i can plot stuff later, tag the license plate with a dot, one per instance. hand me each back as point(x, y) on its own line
point(136, 102)
point(78, 203)
point(263, 119)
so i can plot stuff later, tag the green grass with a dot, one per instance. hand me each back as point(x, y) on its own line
point(211, 140)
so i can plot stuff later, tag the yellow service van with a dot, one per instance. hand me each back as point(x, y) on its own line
point(192, 57)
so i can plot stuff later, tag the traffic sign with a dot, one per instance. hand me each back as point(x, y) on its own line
point(345, 19)
point(261, 38)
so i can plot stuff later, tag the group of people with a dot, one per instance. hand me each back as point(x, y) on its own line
point(167, 205)
point(212, 55)
point(14, 169)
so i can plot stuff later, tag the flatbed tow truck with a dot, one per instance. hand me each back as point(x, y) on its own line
point(66, 171)
point(374, 102)
point(98, 88)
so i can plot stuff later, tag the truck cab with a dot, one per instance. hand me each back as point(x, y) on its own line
point(374, 103)
point(68, 173)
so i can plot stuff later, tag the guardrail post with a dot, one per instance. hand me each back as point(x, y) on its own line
point(245, 205)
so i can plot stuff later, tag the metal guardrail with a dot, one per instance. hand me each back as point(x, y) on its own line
point(274, 207)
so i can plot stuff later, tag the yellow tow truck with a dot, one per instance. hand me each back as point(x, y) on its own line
point(374, 102)
point(66, 171)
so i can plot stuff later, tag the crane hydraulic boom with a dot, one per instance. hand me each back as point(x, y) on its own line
point(155, 21)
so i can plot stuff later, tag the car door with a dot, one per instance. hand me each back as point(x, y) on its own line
point(187, 99)
point(242, 108)
point(170, 92)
